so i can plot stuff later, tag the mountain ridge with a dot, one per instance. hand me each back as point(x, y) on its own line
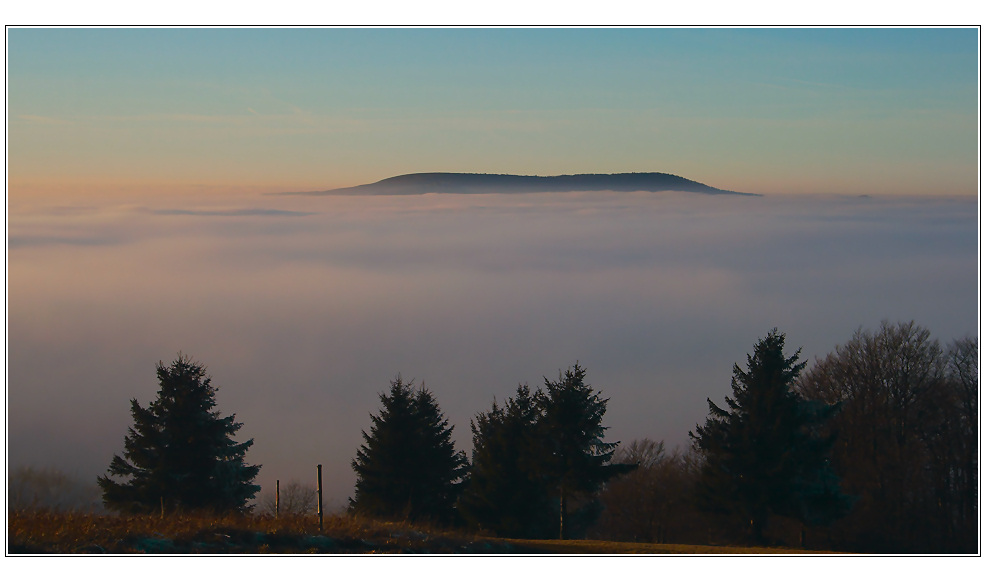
point(471, 183)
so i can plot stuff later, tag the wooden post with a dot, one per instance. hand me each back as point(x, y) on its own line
point(162, 507)
point(277, 498)
point(320, 499)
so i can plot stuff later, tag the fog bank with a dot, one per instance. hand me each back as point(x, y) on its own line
point(305, 308)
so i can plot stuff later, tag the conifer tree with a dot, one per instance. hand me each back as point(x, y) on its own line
point(408, 467)
point(572, 457)
point(504, 493)
point(535, 454)
point(179, 453)
point(763, 454)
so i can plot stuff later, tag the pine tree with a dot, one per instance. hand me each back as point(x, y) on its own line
point(764, 455)
point(179, 453)
point(573, 457)
point(408, 467)
point(504, 494)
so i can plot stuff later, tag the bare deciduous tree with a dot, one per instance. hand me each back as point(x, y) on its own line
point(295, 499)
point(653, 502)
point(904, 433)
point(31, 488)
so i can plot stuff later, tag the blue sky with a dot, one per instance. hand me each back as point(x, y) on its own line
point(766, 110)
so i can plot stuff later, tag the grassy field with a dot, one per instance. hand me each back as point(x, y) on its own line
point(40, 532)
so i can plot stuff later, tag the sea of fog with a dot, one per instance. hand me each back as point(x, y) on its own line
point(305, 308)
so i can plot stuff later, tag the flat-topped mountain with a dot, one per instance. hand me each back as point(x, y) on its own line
point(446, 182)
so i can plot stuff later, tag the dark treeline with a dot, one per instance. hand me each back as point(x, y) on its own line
point(900, 425)
point(905, 439)
point(872, 449)
point(536, 461)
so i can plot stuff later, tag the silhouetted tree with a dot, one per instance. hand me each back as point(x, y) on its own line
point(504, 494)
point(764, 454)
point(905, 438)
point(534, 455)
point(652, 503)
point(962, 475)
point(632, 502)
point(179, 453)
point(408, 467)
point(571, 455)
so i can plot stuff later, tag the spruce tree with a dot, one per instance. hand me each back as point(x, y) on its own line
point(763, 454)
point(504, 493)
point(179, 453)
point(408, 467)
point(534, 455)
point(572, 456)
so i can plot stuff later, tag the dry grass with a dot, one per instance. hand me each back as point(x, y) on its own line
point(45, 532)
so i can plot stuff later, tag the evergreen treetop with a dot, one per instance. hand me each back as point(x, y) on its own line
point(537, 452)
point(505, 493)
point(179, 454)
point(763, 453)
point(408, 467)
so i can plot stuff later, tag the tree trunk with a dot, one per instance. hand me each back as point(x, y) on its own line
point(757, 524)
point(562, 508)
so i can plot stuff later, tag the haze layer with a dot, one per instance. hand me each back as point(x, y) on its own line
point(304, 308)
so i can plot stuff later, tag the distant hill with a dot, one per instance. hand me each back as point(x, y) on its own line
point(444, 182)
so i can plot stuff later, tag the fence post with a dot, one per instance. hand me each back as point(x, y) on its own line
point(320, 499)
point(277, 498)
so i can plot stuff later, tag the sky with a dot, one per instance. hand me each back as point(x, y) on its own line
point(852, 111)
point(138, 225)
